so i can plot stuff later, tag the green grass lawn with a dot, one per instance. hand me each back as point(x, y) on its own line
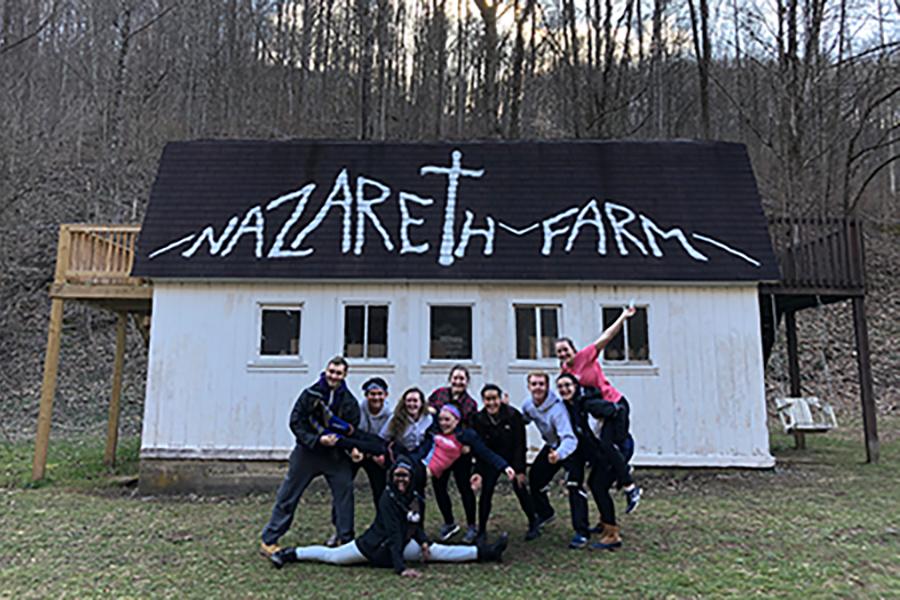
point(822, 524)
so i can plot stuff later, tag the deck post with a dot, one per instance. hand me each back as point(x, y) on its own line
point(112, 430)
point(790, 325)
point(48, 390)
point(866, 392)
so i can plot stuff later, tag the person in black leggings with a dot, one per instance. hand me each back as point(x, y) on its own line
point(503, 431)
point(601, 479)
point(456, 394)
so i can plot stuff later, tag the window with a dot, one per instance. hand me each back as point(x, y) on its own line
point(633, 343)
point(451, 332)
point(537, 328)
point(280, 331)
point(365, 331)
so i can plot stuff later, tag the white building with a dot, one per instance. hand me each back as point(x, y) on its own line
point(268, 258)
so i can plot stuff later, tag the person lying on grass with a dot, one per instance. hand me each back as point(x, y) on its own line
point(396, 536)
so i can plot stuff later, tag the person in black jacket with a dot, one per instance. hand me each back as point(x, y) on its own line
point(589, 415)
point(324, 417)
point(503, 430)
point(396, 536)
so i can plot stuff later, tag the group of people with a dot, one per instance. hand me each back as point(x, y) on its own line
point(584, 425)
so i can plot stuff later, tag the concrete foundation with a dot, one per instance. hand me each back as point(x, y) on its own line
point(210, 477)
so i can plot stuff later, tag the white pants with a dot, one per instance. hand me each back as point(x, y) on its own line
point(349, 554)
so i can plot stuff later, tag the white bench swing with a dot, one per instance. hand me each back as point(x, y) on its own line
point(805, 414)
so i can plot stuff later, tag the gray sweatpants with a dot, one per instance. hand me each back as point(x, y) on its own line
point(304, 466)
point(349, 554)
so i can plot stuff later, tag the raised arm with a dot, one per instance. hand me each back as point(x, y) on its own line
point(613, 330)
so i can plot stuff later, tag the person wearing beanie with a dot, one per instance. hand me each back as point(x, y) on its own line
point(396, 536)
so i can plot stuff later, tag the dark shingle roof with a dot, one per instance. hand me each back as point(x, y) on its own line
point(258, 202)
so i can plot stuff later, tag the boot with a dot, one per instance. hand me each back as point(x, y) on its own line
point(282, 557)
point(493, 552)
point(610, 539)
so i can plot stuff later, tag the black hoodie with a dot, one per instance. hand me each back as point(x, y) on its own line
point(504, 434)
point(384, 541)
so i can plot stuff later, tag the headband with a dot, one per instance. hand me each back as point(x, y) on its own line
point(452, 410)
point(376, 383)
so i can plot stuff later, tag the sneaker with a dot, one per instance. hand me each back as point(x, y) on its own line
point(267, 550)
point(333, 541)
point(448, 530)
point(534, 532)
point(282, 557)
point(546, 521)
point(471, 535)
point(493, 552)
point(634, 498)
point(578, 542)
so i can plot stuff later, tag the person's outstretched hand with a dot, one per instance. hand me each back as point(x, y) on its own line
point(510, 472)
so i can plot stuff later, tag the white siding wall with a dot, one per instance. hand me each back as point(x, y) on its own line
point(208, 395)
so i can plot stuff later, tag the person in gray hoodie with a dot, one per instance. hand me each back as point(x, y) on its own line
point(374, 413)
point(546, 410)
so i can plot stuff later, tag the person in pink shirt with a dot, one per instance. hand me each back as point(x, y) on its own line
point(612, 427)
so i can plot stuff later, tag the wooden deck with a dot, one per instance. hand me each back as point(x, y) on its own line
point(822, 262)
point(93, 264)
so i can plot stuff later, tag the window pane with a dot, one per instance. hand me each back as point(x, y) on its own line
point(615, 350)
point(451, 332)
point(526, 333)
point(638, 346)
point(378, 319)
point(549, 331)
point(353, 331)
point(280, 332)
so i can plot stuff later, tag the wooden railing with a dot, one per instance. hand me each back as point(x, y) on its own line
point(819, 253)
point(96, 254)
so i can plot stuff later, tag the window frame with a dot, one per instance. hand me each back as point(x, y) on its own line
point(343, 329)
point(262, 362)
point(443, 363)
point(536, 307)
point(627, 361)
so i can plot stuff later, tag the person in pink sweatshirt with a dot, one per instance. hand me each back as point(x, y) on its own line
point(450, 442)
point(612, 415)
